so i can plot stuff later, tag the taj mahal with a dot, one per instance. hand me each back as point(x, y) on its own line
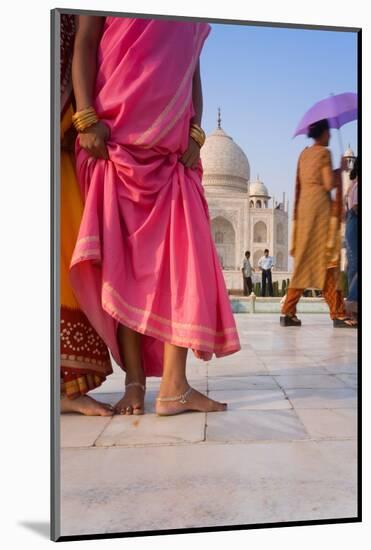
point(243, 214)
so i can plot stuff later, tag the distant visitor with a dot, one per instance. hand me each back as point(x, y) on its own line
point(247, 274)
point(265, 264)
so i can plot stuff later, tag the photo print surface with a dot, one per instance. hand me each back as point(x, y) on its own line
point(205, 201)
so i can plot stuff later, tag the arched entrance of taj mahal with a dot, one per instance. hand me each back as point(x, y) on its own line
point(225, 241)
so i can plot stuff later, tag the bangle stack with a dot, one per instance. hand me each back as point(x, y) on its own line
point(197, 133)
point(84, 119)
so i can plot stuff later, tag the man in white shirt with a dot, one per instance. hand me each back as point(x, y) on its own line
point(247, 274)
point(265, 264)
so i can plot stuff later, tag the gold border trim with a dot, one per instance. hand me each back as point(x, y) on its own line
point(86, 255)
point(90, 238)
point(121, 316)
point(166, 321)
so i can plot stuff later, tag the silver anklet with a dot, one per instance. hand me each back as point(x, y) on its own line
point(182, 398)
point(136, 384)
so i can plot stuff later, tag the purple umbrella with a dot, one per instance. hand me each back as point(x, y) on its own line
point(338, 109)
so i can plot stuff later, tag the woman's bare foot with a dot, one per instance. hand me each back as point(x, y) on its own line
point(189, 400)
point(133, 400)
point(85, 405)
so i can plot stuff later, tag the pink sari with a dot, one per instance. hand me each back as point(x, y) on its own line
point(145, 256)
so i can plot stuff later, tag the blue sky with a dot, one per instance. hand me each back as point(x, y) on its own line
point(264, 79)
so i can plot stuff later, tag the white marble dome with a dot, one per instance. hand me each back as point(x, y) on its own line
point(349, 152)
point(225, 165)
point(258, 189)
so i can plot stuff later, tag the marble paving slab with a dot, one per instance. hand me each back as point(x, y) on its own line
point(258, 425)
point(329, 398)
point(81, 431)
point(249, 367)
point(309, 381)
point(329, 423)
point(251, 399)
point(241, 382)
point(285, 450)
point(349, 380)
point(339, 366)
point(150, 429)
point(206, 485)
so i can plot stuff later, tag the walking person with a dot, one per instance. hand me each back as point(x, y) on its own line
point(351, 241)
point(145, 267)
point(265, 264)
point(247, 274)
point(316, 230)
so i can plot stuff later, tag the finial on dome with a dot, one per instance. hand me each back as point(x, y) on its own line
point(219, 118)
point(257, 179)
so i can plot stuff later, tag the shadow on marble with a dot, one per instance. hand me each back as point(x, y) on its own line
point(349, 380)
point(250, 367)
point(330, 398)
point(338, 366)
point(309, 381)
point(329, 423)
point(294, 369)
point(254, 425)
point(252, 399)
point(232, 382)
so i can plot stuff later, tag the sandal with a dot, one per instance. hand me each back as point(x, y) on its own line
point(347, 322)
point(290, 321)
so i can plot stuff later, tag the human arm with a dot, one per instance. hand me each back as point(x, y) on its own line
point(331, 178)
point(191, 155)
point(84, 70)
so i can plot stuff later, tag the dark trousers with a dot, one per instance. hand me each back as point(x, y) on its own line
point(247, 285)
point(351, 240)
point(267, 276)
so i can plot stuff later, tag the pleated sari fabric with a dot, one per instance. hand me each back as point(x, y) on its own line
point(145, 256)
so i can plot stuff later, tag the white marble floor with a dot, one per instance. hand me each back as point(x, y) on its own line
point(285, 450)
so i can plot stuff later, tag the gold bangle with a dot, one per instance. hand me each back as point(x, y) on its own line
point(197, 133)
point(83, 116)
point(197, 127)
point(82, 125)
point(83, 111)
point(196, 139)
point(84, 119)
point(197, 136)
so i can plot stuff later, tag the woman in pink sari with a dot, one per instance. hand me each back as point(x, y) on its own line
point(145, 268)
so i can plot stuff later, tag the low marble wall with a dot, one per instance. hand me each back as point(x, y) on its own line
point(233, 279)
point(241, 304)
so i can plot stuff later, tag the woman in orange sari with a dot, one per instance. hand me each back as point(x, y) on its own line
point(84, 360)
point(316, 230)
